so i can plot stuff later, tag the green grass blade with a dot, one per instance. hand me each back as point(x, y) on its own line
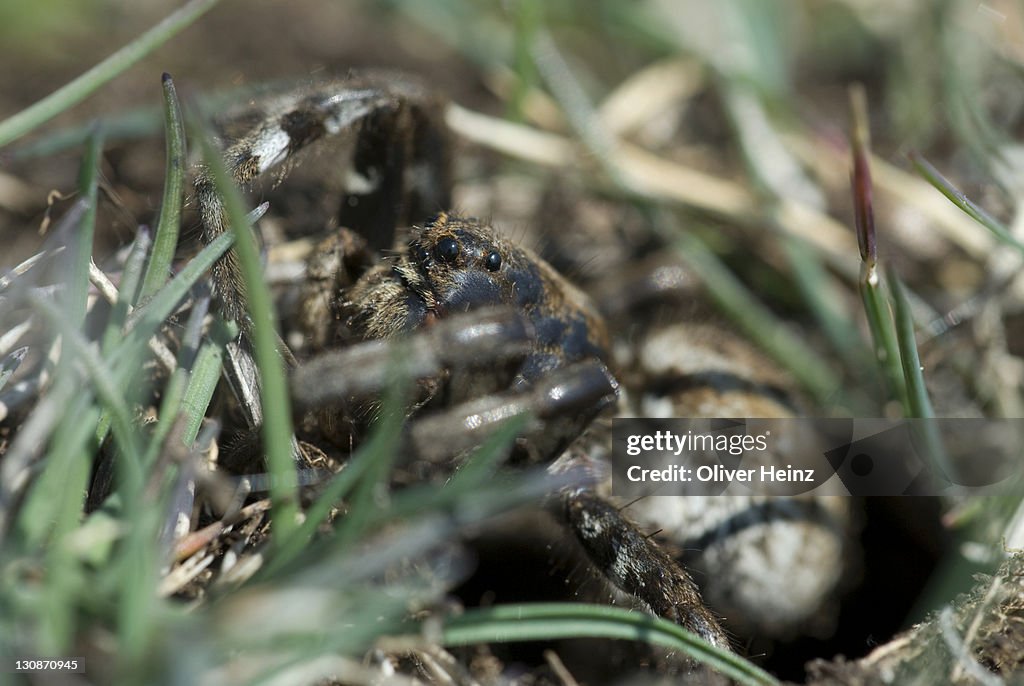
point(61, 495)
point(527, 16)
point(166, 242)
point(549, 621)
point(77, 90)
point(108, 388)
point(126, 290)
point(479, 466)
point(958, 198)
point(483, 462)
point(919, 404)
point(340, 485)
point(876, 305)
point(727, 291)
point(274, 396)
point(470, 481)
point(823, 298)
point(173, 392)
point(203, 378)
point(144, 321)
point(171, 398)
point(54, 499)
point(883, 335)
point(132, 125)
point(81, 254)
point(382, 451)
point(137, 601)
point(567, 90)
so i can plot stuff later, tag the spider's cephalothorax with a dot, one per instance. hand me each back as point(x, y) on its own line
point(449, 266)
point(455, 264)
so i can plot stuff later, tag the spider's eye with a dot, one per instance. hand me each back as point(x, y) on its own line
point(493, 261)
point(447, 249)
point(422, 254)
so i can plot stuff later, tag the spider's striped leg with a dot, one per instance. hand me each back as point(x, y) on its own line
point(635, 564)
point(399, 170)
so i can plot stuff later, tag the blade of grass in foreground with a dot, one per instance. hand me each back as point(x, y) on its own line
point(274, 396)
point(81, 254)
point(926, 433)
point(383, 447)
point(126, 289)
point(363, 474)
point(166, 241)
point(548, 621)
point(105, 385)
point(143, 322)
point(57, 501)
point(62, 420)
point(18, 125)
point(876, 305)
point(203, 378)
point(65, 418)
point(190, 387)
point(820, 293)
point(130, 352)
point(377, 455)
point(883, 335)
point(468, 481)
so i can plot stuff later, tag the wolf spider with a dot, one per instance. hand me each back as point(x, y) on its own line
point(547, 352)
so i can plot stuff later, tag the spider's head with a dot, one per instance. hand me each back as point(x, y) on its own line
point(455, 264)
point(461, 265)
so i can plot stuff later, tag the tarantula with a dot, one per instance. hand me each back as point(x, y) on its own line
point(555, 358)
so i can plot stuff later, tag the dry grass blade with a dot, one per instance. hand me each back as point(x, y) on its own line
point(16, 195)
point(650, 93)
point(657, 178)
point(7, 279)
point(14, 334)
point(862, 189)
point(10, 364)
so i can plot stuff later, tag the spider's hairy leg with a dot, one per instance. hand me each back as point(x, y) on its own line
point(334, 265)
point(636, 565)
point(270, 143)
point(401, 170)
point(557, 405)
point(474, 352)
point(396, 125)
point(363, 370)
